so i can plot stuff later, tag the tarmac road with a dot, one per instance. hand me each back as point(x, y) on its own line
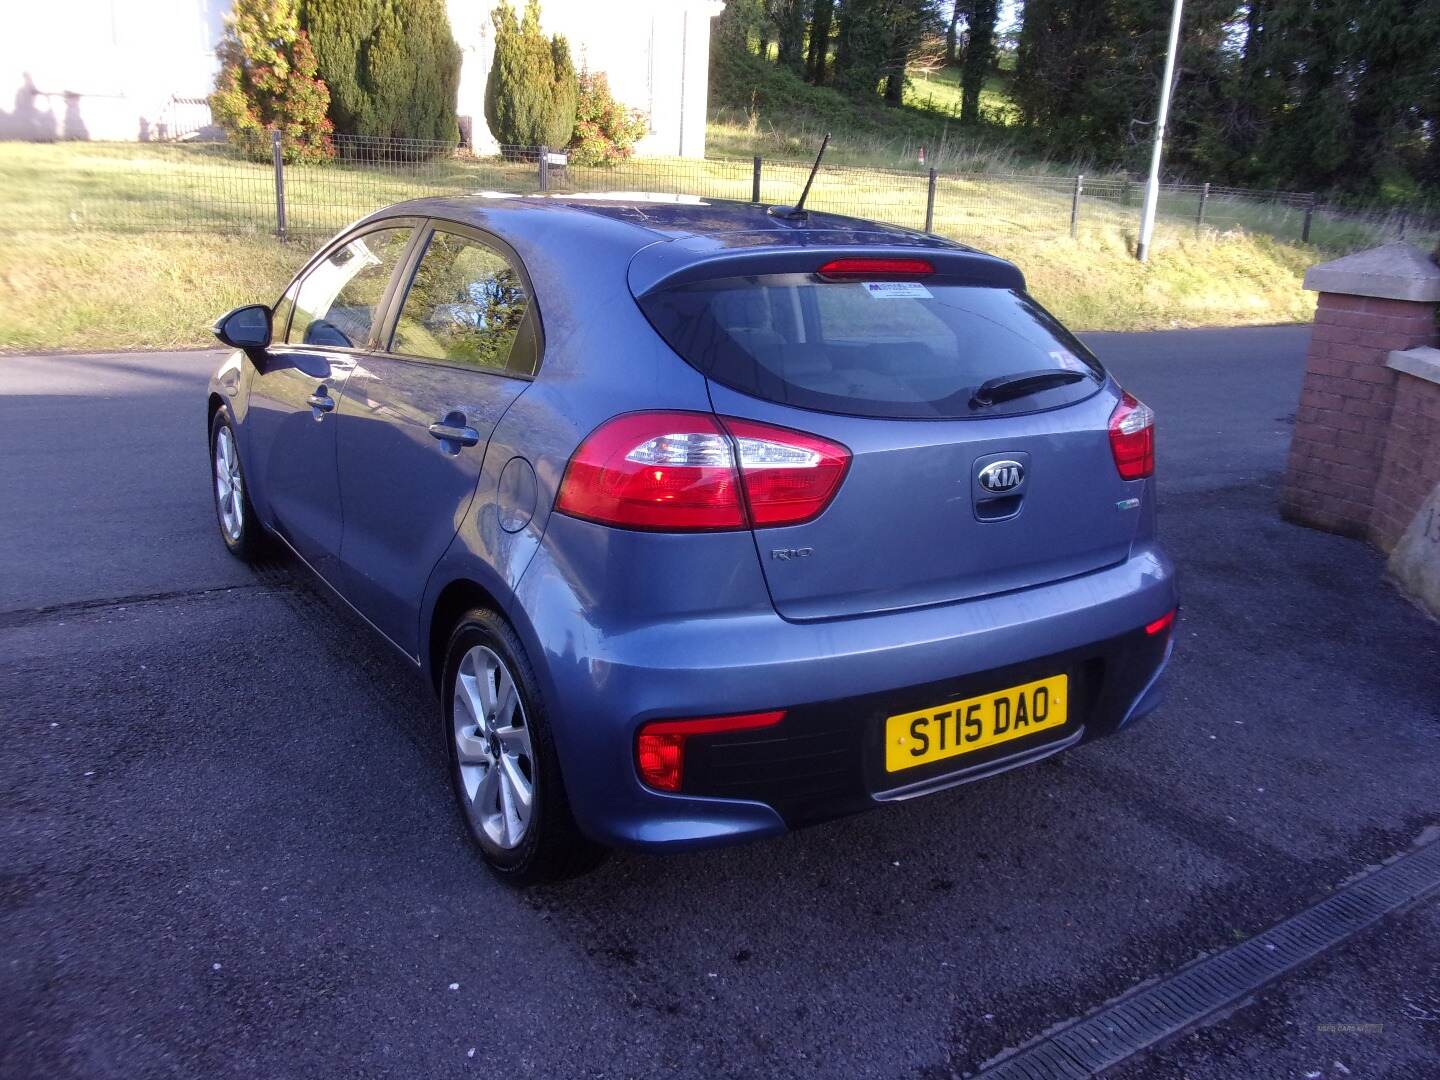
point(227, 846)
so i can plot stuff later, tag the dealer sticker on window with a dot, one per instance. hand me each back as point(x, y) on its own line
point(896, 290)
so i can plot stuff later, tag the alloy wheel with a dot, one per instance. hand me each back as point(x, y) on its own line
point(229, 486)
point(493, 748)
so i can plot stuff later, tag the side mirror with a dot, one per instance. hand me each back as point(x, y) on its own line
point(245, 327)
point(321, 332)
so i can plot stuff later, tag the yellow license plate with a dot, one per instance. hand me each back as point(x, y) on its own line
point(959, 727)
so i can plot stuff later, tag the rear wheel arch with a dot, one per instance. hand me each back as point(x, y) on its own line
point(551, 844)
point(455, 599)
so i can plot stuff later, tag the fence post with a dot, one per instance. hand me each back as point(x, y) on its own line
point(1200, 213)
point(1125, 192)
point(1309, 217)
point(755, 182)
point(277, 154)
point(544, 168)
point(930, 203)
point(1404, 220)
point(1075, 206)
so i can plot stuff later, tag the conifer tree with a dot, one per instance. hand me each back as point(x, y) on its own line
point(531, 96)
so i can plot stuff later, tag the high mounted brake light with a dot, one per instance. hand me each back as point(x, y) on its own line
point(873, 268)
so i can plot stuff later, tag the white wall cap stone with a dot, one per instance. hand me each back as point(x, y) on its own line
point(1423, 363)
point(1397, 271)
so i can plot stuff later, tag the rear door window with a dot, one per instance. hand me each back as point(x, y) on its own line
point(467, 304)
point(870, 348)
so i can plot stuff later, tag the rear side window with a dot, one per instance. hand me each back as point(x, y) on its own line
point(916, 349)
point(467, 305)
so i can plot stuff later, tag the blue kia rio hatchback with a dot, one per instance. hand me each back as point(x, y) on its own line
point(705, 520)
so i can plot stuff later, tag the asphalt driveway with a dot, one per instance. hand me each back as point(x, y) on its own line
point(227, 846)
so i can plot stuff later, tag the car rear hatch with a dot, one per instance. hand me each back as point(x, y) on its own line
point(962, 481)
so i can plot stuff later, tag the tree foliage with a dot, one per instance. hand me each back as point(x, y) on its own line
point(1088, 72)
point(605, 130)
point(871, 40)
point(979, 57)
point(1306, 94)
point(789, 19)
point(817, 54)
point(1327, 95)
point(532, 94)
point(874, 42)
point(267, 82)
point(392, 66)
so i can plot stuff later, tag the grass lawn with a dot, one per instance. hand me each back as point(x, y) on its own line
point(104, 291)
point(129, 246)
point(939, 91)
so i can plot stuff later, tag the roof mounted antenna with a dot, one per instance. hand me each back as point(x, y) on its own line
point(798, 210)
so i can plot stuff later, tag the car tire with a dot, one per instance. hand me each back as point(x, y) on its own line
point(501, 750)
point(240, 529)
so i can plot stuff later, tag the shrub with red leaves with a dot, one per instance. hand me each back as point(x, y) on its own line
point(605, 130)
point(268, 82)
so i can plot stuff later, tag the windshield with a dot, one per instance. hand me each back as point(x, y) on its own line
point(916, 349)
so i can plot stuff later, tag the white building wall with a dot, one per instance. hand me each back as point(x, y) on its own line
point(656, 54)
point(112, 69)
point(105, 69)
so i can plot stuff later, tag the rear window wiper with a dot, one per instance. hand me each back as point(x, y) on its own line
point(1006, 387)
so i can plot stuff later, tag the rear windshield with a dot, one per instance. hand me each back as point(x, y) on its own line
point(870, 348)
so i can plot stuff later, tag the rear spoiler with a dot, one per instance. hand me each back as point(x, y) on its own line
point(699, 258)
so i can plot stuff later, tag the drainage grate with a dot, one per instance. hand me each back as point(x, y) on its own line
point(1144, 1017)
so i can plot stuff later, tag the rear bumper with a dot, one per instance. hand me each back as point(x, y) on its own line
point(837, 680)
point(827, 758)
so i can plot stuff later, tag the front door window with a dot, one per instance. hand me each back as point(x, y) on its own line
point(339, 300)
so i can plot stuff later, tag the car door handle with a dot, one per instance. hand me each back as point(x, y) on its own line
point(454, 433)
point(323, 402)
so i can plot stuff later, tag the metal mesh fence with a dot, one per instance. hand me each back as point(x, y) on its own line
point(719, 179)
point(240, 187)
point(974, 208)
point(896, 197)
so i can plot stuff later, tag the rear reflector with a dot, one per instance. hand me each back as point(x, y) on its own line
point(1160, 625)
point(870, 267)
point(677, 472)
point(1132, 438)
point(660, 745)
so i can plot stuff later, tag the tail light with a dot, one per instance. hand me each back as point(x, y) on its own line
point(1132, 438)
point(677, 472)
point(660, 745)
point(789, 477)
point(662, 470)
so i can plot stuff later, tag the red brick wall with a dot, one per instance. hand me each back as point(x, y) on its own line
point(1412, 458)
point(1342, 424)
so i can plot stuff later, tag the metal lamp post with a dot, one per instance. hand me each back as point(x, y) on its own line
point(1152, 186)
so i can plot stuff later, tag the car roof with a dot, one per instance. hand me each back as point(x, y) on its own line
point(553, 234)
point(652, 216)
